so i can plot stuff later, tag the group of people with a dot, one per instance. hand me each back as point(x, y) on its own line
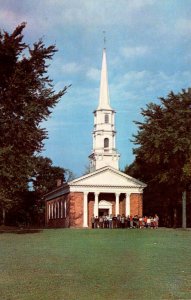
point(121, 221)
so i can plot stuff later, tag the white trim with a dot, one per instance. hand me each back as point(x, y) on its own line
point(105, 189)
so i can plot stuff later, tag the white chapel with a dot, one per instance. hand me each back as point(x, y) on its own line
point(105, 190)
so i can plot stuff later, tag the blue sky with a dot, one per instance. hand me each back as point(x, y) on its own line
point(148, 55)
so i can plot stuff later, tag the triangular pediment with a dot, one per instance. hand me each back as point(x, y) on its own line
point(107, 176)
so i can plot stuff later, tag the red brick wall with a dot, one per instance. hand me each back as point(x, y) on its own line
point(90, 207)
point(122, 204)
point(74, 205)
point(136, 204)
point(76, 209)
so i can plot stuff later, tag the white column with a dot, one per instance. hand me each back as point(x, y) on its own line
point(85, 223)
point(117, 204)
point(96, 205)
point(127, 205)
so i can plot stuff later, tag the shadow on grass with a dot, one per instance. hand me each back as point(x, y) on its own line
point(19, 230)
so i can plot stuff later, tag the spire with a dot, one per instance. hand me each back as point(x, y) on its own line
point(104, 102)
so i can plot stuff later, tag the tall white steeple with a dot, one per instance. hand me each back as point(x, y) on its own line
point(104, 101)
point(104, 152)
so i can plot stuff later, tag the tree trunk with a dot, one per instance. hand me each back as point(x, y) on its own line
point(174, 218)
point(3, 220)
point(184, 209)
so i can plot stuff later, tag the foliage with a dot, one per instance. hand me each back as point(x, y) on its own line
point(165, 138)
point(163, 152)
point(46, 175)
point(26, 99)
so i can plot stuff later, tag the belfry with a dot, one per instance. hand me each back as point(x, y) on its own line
point(105, 190)
point(104, 149)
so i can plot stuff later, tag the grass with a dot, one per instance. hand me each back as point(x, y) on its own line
point(96, 264)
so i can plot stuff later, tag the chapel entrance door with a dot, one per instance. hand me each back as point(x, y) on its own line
point(104, 207)
point(103, 212)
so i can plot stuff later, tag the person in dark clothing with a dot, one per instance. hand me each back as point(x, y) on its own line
point(96, 224)
point(123, 221)
point(114, 222)
point(93, 221)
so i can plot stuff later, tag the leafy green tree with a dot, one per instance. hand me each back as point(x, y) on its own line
point(27, 98)
point(46, 175)
point(31, 207)
point(163, 152)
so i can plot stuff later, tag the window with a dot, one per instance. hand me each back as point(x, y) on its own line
point(61, 209)
point(65, 209)
point(106, 143)
point(106, 118)
point(52, 211)
point(49, 211)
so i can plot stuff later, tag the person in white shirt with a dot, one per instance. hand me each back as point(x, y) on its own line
point(148, 222)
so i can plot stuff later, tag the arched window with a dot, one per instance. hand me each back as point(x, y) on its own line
point(106, 143)
point(106, 118)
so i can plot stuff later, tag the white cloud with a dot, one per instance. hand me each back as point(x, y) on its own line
point(135, 51)
point(137, 4)
point(50, 13)
point(183, 27)
point(136, 75)
point(10, 18)
point(71, 68)
point(144, 86)
point(93, 74)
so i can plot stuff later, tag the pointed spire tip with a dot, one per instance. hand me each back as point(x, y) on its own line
point(104, 39)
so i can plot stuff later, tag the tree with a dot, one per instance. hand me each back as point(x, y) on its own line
point(46, 175)
point(26, 99)
point(30, 210)
point(163, 153)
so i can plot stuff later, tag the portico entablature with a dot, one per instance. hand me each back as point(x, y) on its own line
point(106, 189)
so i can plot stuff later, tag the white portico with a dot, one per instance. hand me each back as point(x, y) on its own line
point(110, 190)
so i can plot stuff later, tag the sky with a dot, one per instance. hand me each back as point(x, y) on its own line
point(148, 44)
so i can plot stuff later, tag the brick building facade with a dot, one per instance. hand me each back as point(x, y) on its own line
point(104, 191)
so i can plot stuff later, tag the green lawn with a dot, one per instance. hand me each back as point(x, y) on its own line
point(96, 264)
